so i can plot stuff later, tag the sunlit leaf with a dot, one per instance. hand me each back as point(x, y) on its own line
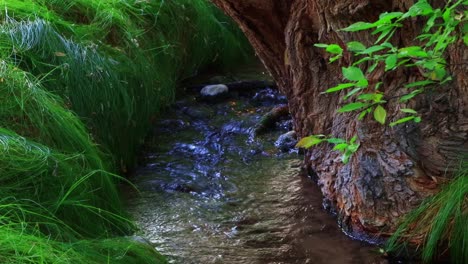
point(353, 73)
point(355, 46)
point(380, 114)
point(402, 120)
point(340, 87)
point(352, 106)
point(408, 110)
point(308, 142)
point(359, 26)
point(334, 49)
point(390, 62)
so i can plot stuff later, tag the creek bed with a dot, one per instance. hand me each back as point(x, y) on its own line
point(210, 192)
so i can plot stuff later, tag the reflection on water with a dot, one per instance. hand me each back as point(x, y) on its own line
point(212, 194)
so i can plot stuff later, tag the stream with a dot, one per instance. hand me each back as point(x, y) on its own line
point(211, 192)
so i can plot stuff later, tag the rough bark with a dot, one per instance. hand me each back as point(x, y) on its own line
point(395, 167)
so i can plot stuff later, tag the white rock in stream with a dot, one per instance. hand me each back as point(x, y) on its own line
point(214, 90)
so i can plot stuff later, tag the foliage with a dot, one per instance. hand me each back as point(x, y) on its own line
point(116, 63)
point(428, 57)
point(79, 80)
point(439, 223)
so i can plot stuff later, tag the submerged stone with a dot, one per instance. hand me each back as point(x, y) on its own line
point(286, 141)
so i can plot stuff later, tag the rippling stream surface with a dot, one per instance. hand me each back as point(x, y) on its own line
point(212, 193)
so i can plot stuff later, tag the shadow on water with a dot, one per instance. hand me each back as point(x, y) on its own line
point(211, 193)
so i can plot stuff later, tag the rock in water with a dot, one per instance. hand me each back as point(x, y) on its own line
point(214, 91)
point(287, 141)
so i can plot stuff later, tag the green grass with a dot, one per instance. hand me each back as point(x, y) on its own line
point(440, 225)
point(117, 62)
point(80, 82)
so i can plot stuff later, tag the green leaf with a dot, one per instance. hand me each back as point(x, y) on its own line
point(387, 17)
point(380, 114)
point(355, 46)
point(362, 83)
point(422, 7)
point(409, 96)
point(412, 51)
point(390, 62)
point(352, 106)
point(340, 87)
point(353, 92)
point(308, 142)
point(419, 83)
point(336, 140)
point(367, 97)
point(408, 110)
point(353, 147)
point(417, 119)
point(359, 26)
point(372, 49)
point(321, 45)
point(353, 140)
point(334, 49)
point(402, 120)
point(372, 67)
point(341, 147)
point(353, 73)
point(362, 115)
point(337, 57)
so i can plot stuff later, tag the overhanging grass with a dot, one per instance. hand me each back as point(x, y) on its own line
point(79, 79)
point(440, 224)
point(116, 63)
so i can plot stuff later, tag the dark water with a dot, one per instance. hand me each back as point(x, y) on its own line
point(211, 193)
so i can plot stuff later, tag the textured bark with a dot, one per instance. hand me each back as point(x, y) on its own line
point(394, 167)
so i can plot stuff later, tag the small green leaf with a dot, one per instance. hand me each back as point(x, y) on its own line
point(372, 49)
point(408, 110)
point(334, 49)
point(362, 115)
point(372, 67)
point(353, 92)
point(341, 147)
point(340, 87)
point(413, 51)
point(380, 114)
point(367, 97)
point(402, 120)
point(353, 140)
point(417, 119)
point(359, 26)
point(387, 17)
point(419, 83)
point(353, 73)
point(353, 147)
point(308, 142)
point(390, 62)
point(352, 106)
point(336, 140)
point(321, 45)
point(362, 83)
point(355, 46)
point(409, 96)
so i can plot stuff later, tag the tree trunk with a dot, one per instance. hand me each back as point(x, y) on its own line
point(395, 167)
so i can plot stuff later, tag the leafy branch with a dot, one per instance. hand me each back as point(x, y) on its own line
point(439, 32)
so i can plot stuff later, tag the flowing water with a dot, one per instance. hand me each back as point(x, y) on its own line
point(212, 193)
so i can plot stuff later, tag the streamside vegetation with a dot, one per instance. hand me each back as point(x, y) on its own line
point(80, 82)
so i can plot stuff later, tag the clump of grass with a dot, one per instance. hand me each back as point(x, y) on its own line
point(117, 63)
point(440, 225)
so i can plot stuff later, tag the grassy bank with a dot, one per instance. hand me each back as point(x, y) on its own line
point(80, 82)
point(439, 224)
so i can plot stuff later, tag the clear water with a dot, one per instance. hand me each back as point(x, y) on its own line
point(211, 193)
